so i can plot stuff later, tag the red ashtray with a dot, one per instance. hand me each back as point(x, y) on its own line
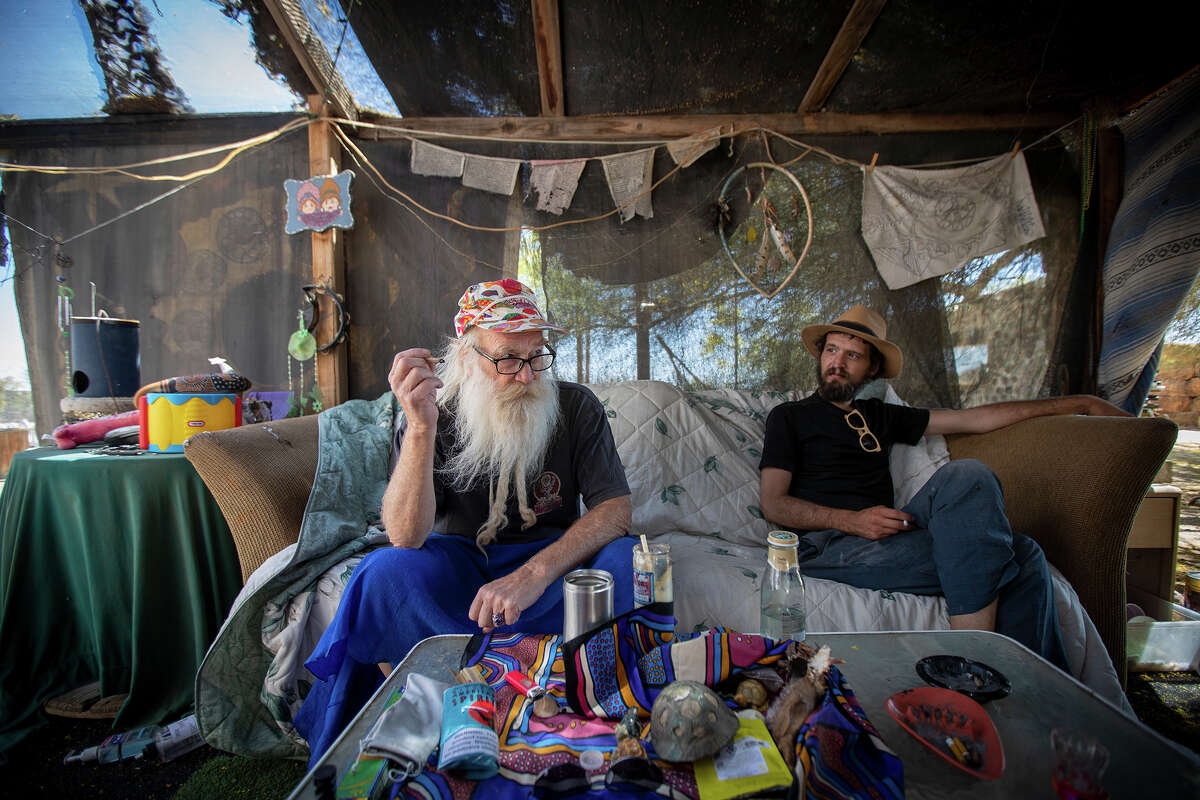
point(946, 721)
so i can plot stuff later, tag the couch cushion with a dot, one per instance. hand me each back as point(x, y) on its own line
point(691, 459)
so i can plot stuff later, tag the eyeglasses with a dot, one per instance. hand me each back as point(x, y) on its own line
point(570, 779)
point(511, 365)
point(866, 439)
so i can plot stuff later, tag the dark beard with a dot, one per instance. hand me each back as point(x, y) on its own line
point(832, 392)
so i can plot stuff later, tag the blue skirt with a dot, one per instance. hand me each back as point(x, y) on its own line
point(399, 596)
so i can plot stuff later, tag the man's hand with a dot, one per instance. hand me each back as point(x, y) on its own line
point(876, 522)
point(415, 386)
point(508, 596)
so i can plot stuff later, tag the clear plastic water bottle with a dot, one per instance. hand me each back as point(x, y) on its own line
point(783, 610)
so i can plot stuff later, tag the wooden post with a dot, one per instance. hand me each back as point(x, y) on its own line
point(328, 265)
point(641, 315)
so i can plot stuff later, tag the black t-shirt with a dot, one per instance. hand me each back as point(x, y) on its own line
point(581, 460)
point(811, 439)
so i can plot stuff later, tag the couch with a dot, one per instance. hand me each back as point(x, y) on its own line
point(1073, 484)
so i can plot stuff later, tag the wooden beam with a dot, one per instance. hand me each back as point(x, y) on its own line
point(311, 54)
point(328, 265)
point(854, 29)
point(547, 35)
point(673, 126)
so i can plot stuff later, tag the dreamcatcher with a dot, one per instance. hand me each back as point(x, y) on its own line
point(302, 346)
point(778, 217)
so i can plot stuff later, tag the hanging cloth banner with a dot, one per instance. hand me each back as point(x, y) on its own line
point(498, 175)
point(685, 151)
point(920, 224)
point(555, 183)
point(1153, 252)
point(628, 175)
point(429, 159)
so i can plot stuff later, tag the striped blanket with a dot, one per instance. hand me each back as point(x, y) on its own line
point(1154, 248)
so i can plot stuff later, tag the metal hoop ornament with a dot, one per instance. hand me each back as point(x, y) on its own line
point(807, 210)
point(313, 292)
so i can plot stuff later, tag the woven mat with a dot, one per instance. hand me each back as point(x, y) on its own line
point(85, 703)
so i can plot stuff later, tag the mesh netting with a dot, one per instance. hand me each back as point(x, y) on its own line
point(660, 298)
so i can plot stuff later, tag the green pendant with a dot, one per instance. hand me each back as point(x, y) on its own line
point(302, 345)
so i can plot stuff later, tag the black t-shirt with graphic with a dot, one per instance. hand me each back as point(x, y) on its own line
point(811, 439)
point(581, 461)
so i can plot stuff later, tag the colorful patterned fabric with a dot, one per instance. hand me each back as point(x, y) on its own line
point(505, 306)
point(626, 663)
point(842, 752)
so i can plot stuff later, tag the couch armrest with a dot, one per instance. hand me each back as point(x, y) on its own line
point(1074, 484)
point(260, 475)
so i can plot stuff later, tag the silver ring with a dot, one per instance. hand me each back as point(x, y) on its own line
point(497, 620)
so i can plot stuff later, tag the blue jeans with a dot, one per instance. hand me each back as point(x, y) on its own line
point(397, 597)
point(962, 548)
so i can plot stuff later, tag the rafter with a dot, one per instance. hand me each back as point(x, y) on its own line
point(673, 126)
point(313, 57)
point(854, 29)
point(547, 35)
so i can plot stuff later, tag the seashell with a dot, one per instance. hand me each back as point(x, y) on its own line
point(689, 721)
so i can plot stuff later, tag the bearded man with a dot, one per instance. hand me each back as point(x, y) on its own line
point(824, 473)
point(482, 508)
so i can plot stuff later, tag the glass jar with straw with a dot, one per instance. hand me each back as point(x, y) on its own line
point(652, 573)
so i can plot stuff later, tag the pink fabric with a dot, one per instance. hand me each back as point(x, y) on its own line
point(92, 430)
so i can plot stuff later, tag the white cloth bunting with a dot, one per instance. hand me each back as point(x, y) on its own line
point(555, 183)
point(429, 159)
point(628, 175)
point(685, 151)
point(498, 175)
point(921, 223)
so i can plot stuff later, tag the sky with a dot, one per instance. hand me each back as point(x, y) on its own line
point(51, 70)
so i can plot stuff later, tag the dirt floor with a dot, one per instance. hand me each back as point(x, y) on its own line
point(1185, 473)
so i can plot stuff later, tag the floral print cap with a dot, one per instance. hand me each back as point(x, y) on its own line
point(504, 306)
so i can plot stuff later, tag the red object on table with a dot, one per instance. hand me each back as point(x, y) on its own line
point(932, 715)
point(524, 684)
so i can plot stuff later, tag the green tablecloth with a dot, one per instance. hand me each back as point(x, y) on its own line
point(112, 568)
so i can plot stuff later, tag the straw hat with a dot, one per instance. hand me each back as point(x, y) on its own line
point(867, 325)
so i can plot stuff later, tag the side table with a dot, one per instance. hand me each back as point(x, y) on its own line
point(112, 568)
point(1150, 554)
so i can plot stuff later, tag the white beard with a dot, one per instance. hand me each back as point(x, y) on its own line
point(503, 434)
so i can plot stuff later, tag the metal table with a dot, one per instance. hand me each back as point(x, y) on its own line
point(881, 664)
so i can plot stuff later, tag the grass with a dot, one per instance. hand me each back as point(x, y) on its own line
point(34, 769)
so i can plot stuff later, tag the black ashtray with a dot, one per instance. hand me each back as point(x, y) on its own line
point(976, 680)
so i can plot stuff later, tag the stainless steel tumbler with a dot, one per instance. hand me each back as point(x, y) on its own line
point(587, 600)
